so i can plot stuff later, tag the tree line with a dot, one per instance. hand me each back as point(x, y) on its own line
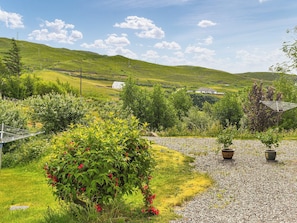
point(14, 84)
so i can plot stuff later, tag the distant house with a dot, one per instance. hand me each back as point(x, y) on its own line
point(118, 85)
point(203, 90)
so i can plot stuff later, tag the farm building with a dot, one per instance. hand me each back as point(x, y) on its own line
point(118, 85)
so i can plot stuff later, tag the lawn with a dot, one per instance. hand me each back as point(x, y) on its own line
point(174, 182)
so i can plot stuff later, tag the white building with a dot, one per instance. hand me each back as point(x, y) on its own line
point(118, 85)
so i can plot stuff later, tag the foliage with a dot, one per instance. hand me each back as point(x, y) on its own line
point(57, 111)
point(228, 110)
point(97, 163)
point(270, 138)
point(163, 112)
point(174, 183)
point(197, 120)
point(260, 117)
point(12, 60)
point(289, 94)
point(290, 50)
point(12, 113)
point(200, 99)
point(153, 108)
point(182, 102)
point(226, 136)
point(136, 100)
point(27, 151)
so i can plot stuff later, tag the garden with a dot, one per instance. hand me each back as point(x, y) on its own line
point(96, 162)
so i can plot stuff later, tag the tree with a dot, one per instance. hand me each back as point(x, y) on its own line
point(286, 85)
point(200, 99)
point(182, 102)
point(136, 100)
point(153, 108)
point(228, 110)
point(163, 112)
point(12, 60)
point(260, 117)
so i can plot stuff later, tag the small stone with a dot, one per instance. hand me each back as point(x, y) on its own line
point(16, 207)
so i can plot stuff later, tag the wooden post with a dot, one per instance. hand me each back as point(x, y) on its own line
point(1, 145)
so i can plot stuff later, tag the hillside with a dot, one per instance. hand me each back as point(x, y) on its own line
point(92, 66)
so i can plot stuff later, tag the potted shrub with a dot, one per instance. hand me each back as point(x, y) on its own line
point(270, 139)
point(225, 138)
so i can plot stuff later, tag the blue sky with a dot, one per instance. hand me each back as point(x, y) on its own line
point(229, 35)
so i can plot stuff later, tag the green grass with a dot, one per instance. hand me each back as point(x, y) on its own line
point(24, 186)
point(174, 182)
point(90, 88)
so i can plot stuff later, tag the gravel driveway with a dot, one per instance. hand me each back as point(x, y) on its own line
point(247, 188)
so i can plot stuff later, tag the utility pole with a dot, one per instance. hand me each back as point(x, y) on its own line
point(80, 81)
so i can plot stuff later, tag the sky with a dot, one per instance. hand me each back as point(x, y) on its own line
point(230, 35)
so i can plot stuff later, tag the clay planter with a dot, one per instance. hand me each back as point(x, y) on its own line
point(227, 153)
point(270, 154)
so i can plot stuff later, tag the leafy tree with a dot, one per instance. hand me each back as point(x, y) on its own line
point(182, 102)
point(198, 120)
point(286, 85)
point(228, 110)
point(200, 99)
point(12, 60)
point(136, 100)
point(163, 112)
point(260, 117)
point(154, 108)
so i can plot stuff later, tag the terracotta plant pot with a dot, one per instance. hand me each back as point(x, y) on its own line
point(270, 154)
point(227, 153)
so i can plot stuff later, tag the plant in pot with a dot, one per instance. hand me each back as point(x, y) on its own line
point(225, 138)
point(271, 140)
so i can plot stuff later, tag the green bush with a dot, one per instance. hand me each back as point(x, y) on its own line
point(97, 163)
point(57, 111)
point(24, 151)
point(13, 114)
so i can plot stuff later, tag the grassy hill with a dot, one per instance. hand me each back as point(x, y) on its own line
point(100, 70)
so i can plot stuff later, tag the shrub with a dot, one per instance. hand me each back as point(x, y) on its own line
point(25, 151)
point(101, 162)
point(12, 114)
point(57, 111)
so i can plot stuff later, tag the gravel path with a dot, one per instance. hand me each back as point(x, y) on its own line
point(247, 188)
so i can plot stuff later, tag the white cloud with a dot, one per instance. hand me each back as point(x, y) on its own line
point(118, 41)
point(168, 45)
point(147, 27)
point(11, 20)
point(113, 45)
point(207, 41)
point(206, 23)
point(58, 31)
point(262, 1)
point(122, 51)
point(179, 54)
point(150, 54)
point(200, 53)
point(112, 41)
point(97, 44)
